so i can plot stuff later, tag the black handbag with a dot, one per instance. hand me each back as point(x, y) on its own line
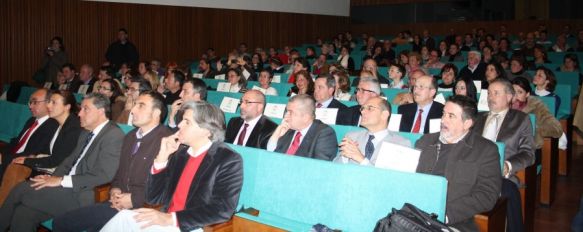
point(410, 218)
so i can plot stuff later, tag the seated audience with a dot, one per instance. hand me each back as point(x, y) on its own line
point(301, 134)
point(324, 88)
point(342, 92)
point(192, 90)
point(448, 75)
point(238, 83)
point(407, 97)
point(137, 86)
point(304, 84)
point(252, 128)
point(397, 73)
point(475, 69)
point(470, 163)
point(345, 60)
point(172, 86)
point(370, 65)
point(433, 61)
point(493, 71)
point(416, 116)
point(128, 188)
point(466, 87)
point(454, 54)
point(368, 87)
point(545, 82)
point(299, 64)
point(518, 68)
point(265, 77)
point(362, 147)
point(111, 89)
point(320, 66)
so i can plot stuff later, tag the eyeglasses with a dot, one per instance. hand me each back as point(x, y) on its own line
point(101, 87)
point(368, 108)
point(364, 90)
point(249, 102)
point(33, 102)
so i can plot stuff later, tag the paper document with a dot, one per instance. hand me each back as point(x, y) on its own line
point(197, 75)
point(440, 98)
point(224, 87)
point(483, 102)
point(478, 85)
point(229, 104)
point(274, 110)
point(276, 79)
point(395, 122)
point(434, 125)
point(83, 89)
point(397, 157)
point(327, 115)
point(220, 77)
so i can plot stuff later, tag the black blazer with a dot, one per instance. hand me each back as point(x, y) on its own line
point(478, 75)
point(408, 116)
point(259, 135)
point(38, 141)
point(62, 148)
point(319, 143)
point(335, 104)
point(349, 116)
point(214, 192)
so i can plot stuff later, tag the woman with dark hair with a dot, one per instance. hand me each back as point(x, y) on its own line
point(518, 67)
point(466, 87)
point(545, 83)
point(63, 108)
point(256, 63)
point(454, 54)
point(111, 89)
point(397, 73)
point(571, 64)
point(540, 56)
point(487, 54)
point(546, 123)
point(55, 57)
point(304, 84)
point(298, 64)
point(238, 82)
point(345, 60)
point(493, 71)
point(311, 53)
point(342, 92)
point(265, 77)
point(448, 75)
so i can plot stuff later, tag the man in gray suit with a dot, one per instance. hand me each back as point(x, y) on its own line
point(93, 162)
point(514, 129)
point(301, 134)
point(362, 147)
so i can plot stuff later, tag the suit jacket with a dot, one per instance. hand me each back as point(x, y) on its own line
point(408, 116)
point(478, 75)
point(361, 137)
point(99, 164)
point(38, 141)
point(516, 133)
point(473, 172)
point(214, 192)
point(62, 147)
point(335, 104)
point(319, 143)
point(349, 117)
point(259, 135)
point(132, 174)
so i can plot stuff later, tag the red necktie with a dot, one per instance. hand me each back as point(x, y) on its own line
point(242, 135)
point(319, 105)
point(25, 137)
point(295, 144)
point(417, 125)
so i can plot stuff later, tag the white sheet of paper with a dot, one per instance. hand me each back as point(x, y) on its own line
point(276, 79)
point(48, 85)
point(255, 87)
point(197, 75)
point(444, 90)
point(220, 77)
point(397, 157)
point(440, 98)
point(246, 74)
point(384, 86)
point(224, 87)
point(83, 89)
point(434, 125)
point(483, 102)
point(63, 87)
point(478, 85)
point(274, 110)
point(344, 97)
point(229, 104)
point(395, 122)
point(327, 115)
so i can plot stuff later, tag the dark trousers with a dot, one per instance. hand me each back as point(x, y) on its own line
point(25, 208)
point(89, 218)
point(514, 208)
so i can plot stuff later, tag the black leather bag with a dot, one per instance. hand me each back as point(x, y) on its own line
point(410, 218)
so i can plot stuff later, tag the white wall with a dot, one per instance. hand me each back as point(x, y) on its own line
point(319, 7)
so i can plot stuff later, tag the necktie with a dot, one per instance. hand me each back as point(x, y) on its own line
point(242, 135)
point(319, 105)
point(417, 125)
point(491, 130)
point(369, 148)
point(25, 137)
point(295, 144)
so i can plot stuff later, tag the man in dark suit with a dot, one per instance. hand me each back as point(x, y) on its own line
point(128, 188)
point(470, 163)
point(93, 162)
point(72, 82)
point(427, 40)
point(416, 116)
point(193, 89)
point(368, 87)
point(324, 87)
point(252, 129)
point(122, 51)
point(514, 129)
point(86, 77)
point(36, 134)
point(301, 134)
point(172, 86)
point(197, 183)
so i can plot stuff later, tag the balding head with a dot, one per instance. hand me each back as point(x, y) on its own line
point(413, 75)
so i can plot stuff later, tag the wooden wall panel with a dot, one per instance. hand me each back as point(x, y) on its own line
point(168, 33)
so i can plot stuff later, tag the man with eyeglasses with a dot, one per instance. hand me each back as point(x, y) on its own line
point(362, 147)
point(368, 87)
point(36, 134)
point(252, 129)
point(416, 116)
point(137, 86)
point(301, 134)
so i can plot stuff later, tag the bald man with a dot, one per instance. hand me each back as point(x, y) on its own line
point(252, 128)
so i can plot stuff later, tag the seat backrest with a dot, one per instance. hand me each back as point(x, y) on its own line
point(325, 192)
point(13, 117)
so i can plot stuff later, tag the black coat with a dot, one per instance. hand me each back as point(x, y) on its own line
point(259, 135)
point(408, 112)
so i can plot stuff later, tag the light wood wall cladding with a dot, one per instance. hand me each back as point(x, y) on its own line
point(165, 32)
